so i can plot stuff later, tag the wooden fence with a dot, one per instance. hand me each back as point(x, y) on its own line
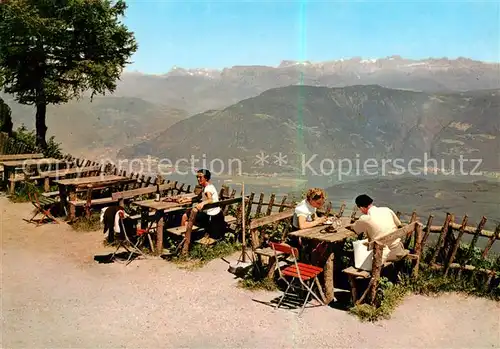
point(441, 256)
point(9, 145)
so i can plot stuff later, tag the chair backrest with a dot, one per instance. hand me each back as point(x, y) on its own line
point(285, 249)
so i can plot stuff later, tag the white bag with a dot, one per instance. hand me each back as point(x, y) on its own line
point(363, 259)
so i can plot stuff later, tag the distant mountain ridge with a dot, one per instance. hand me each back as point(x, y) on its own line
point(198, 90)
point(366, 121)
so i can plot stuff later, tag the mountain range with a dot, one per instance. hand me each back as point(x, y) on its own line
point(198, 90)
point(291, 108)
point(355, 122)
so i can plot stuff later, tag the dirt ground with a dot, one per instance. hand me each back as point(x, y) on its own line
point(55, 295)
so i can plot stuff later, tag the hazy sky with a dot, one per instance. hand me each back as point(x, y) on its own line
point(217, 34)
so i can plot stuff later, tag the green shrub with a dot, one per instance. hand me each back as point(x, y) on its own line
point(28, 138)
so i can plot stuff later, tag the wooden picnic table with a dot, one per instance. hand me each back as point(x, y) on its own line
point(11, 166)
point(164, 207)
point(318, 234)
point(61, 174)
point(67, 187)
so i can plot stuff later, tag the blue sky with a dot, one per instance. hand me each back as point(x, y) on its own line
point(218, 34)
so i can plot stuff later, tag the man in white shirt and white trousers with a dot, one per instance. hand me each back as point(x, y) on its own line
point(378, 222)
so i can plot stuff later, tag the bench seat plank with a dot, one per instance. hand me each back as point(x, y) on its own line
point(267, 252)
point(93, 202)
point(181, 230)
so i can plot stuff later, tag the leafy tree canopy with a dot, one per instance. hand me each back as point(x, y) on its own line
point(52, 51)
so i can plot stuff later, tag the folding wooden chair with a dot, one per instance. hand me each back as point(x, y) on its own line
point(43, 206)
point(304, 276)
point(127, 243)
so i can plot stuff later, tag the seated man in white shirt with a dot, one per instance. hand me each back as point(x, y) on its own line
point(378, 222)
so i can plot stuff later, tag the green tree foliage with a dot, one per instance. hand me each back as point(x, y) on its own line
point(5, 118)
point(27, 137)
point(52, 51)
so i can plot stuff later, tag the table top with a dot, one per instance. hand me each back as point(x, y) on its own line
point(92, 180)
point(33, 162)
point(164, 205)
point(318, 233)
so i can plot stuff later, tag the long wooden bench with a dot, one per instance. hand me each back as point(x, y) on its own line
point(404, 233)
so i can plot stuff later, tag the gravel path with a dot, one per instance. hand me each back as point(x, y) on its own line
point(55, 295)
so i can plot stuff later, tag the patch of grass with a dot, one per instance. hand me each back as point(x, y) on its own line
point(254, 285)
point(389, 296)
point(429, 282)
point(200, 254)
point(22, 192)
point(474, 284)
point(87, 224)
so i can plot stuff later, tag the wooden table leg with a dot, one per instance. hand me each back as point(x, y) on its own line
point(12, 183)
point(72, 208)
point(159, 237)
point(328, 277)
point(144, 217)
point(271, 266)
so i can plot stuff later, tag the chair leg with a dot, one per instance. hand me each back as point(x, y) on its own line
point(305, 302)
point(282, 297)
point(309, 288)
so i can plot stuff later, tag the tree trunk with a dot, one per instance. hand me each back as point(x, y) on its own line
point(41, 128)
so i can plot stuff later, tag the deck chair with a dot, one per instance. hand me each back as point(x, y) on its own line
point(127, 243)
point(304, 276)
point(43, 206)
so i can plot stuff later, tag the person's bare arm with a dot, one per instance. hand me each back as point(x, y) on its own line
point(397, 222)
point(304, 224)
point(209, 200)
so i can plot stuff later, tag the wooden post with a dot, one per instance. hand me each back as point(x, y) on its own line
point(476, 236)
point(456, 245)
point(88, 204)
point(491, 241)
point(270, 204)
point(376, 269)
point(282, 205)
point(412, 219)
point(418, 248)
point(259, 205)
point(243, 222)
point(428, 230)
point(444, 230)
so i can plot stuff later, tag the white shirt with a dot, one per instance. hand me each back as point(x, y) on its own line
point(215, 198)
point(303, 209)
point(378, 222)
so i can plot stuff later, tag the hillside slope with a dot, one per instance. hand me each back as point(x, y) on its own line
point(102, 126)
point(356, 122)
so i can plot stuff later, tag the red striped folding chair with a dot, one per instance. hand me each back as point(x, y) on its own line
point(303, 276)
